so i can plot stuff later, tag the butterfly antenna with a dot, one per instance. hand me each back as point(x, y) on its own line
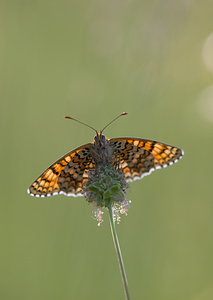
point(66, 117)
point(123, 114)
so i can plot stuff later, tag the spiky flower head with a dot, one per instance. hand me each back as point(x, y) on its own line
point(106, 185)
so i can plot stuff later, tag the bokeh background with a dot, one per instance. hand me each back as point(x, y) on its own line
point(93, 60)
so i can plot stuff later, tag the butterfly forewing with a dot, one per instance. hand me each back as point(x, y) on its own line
point(67, 175)
point(139, 157)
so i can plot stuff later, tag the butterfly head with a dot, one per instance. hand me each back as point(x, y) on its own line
point(100, 140)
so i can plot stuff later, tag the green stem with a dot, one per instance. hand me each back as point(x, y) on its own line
point(118, 252)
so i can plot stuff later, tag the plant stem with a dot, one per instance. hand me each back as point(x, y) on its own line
point(118, 252)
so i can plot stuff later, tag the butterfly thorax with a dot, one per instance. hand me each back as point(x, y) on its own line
point(102, 153)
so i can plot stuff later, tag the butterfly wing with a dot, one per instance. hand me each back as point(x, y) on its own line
point(139, 157)
point(66, 176)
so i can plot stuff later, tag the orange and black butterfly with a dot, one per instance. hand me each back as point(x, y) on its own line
point(135, 157)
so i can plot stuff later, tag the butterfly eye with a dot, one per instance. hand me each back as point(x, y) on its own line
point(95, 138)
point(103, 138)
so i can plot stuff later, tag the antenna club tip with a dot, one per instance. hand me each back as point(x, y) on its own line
point(124, 113)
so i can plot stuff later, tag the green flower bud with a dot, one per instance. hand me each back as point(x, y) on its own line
point(107, 185)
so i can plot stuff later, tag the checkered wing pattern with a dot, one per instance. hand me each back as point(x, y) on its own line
point(66, 176)
point(139, 157)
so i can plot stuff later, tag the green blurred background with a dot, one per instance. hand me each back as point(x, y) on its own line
point(93, 60)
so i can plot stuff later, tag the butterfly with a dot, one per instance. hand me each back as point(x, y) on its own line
point(135, 157)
